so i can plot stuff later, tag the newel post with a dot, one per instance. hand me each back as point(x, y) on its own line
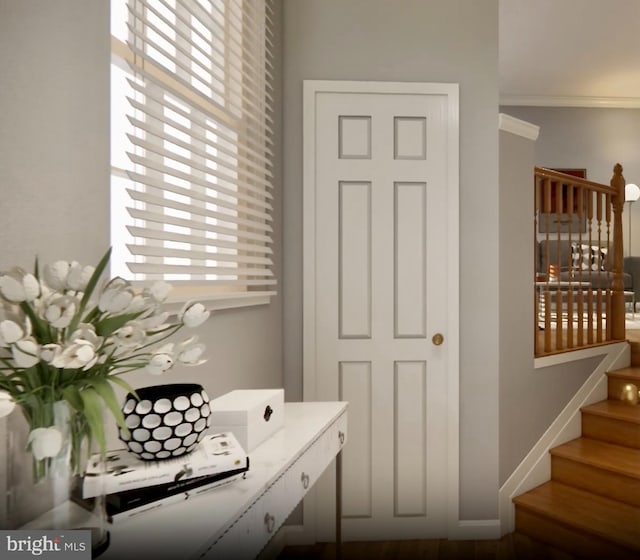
point(617, 298)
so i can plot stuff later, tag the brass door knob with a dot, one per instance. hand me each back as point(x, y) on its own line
point(437, 339)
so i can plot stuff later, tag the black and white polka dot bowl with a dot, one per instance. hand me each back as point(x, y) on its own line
point(166, 420)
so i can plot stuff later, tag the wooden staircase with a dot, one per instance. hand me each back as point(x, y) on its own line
point(591, 506)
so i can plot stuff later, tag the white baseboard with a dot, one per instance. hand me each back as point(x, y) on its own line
point(535, 469)
point(480, 529)
point(476, 529)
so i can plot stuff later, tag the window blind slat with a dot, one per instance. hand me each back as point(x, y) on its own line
point(162, 218)
point(162, 235)
point(154, 271)
point(258, 163)
point(189, 76)
point(253, 71)
point(161, 132)
point(151, 251)
point(206, 269)
point(197, 208)
point(246, 42)
point(150, 164)
point(209, 107)
point(195, 165)
point(250, 111)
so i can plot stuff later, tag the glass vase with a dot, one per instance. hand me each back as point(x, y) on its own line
point(46, 493)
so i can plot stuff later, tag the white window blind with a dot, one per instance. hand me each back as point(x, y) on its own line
point(197, 177)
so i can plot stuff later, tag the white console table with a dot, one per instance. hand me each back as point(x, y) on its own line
point(237, 521)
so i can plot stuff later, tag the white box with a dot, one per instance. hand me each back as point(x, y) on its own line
point(252, 415)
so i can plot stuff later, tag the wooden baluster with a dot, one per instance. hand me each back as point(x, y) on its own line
point(590, 313)
point(559, 345)
point(547, 319)
point(609, 326)
point(570, 294)
point(581, 294)
point(569, 209)
point(617, 297)
point(546, 198)
point(546, 187)
point(599, 311)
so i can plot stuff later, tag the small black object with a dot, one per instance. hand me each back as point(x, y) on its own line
point(267, 413)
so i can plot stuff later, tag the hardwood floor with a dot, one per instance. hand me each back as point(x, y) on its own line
point(511, 547)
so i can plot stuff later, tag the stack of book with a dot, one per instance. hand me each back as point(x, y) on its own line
point(133, 486)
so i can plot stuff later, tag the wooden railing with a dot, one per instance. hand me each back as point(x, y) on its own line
point(579, 294)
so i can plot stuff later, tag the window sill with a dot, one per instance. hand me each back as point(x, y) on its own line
point(217, 302)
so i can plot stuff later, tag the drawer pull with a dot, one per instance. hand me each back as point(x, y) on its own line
point(341, 437)
point(305, 480)
point(270, 522)
point(267, 413)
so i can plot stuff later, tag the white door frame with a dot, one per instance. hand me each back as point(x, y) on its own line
point(311, 89)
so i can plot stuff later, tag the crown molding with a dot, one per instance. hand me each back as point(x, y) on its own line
point(571, 101)
point(525, 129)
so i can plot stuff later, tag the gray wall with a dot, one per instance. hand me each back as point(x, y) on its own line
point(591, 138)
point(54, 173)
point(530, 399)
point(428, 41)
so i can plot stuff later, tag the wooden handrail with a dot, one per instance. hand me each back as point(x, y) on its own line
point(579, 240)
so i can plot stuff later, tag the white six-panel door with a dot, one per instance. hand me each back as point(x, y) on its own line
point(380, 316)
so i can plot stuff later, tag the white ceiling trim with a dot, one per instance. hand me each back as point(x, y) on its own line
point(507, 123)
point(571, 101)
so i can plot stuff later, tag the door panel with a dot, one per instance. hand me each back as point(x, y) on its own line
point(379, 210)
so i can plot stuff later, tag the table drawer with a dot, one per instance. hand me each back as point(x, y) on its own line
point(257, 525)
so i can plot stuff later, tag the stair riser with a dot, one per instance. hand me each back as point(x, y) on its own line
point(616, 385)
point(570, 539)
point(611, 430)
point(599, 481)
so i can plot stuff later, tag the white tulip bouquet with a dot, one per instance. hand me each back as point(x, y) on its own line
point(66, 338)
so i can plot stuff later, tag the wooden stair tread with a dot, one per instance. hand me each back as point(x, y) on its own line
point(626, 373)
point(614, 409)
point(602, 455)
point(605, 518)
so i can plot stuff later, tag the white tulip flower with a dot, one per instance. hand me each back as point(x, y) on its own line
point(26, 353)
point(160, 291)
point(60, 311)
point(86, 332)
point(78, 277)
point(45, 442)
point(191, 355)
point(137, 304)
point(10, 332)
point(50, 352)
point(78, 355)
point(154, 321)
point(159, 364)
point(161, 360)
point(131, 335)
point(55, 275)
point(194, 314)
point(18, 286)
point(7, 404)
point(116, 297)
